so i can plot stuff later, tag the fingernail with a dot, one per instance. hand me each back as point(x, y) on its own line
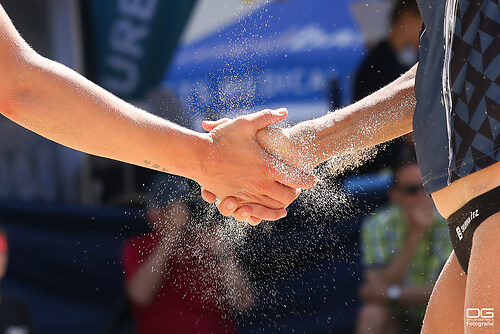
point(245, 213)
point(230, 205)
point(255, 220)
point(282, 111)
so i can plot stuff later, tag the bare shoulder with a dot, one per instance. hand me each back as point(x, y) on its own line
point(7, 34)
point(12, 45)
point(13, 53)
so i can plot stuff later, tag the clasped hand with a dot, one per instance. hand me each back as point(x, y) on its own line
point(252, 184)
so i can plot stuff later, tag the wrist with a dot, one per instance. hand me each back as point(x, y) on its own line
point(331, 135)
point(276, 142)
point(306, 144)
point(291, 145)
point(196, 166)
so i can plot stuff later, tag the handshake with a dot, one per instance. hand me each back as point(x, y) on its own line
point(253, 169)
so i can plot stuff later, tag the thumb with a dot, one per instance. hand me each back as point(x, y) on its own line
point(208, 196)
point(210, 125)
point(265, 118)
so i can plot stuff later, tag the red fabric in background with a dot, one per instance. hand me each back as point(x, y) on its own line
point(189, 299)
point(4, 246)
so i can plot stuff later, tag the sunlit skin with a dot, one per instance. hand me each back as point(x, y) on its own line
point(60, 104)
point(382, 116)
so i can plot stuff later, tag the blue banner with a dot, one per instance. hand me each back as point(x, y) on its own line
point(129, 43)
point(288, 54)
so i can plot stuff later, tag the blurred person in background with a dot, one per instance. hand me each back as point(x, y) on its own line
point(404, 246)
point(384, 63)
point(14, 315)
point(183, 277)
point(394, 55)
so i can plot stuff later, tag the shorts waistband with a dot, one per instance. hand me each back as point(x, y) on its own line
point(463, 223)
point(489, 204)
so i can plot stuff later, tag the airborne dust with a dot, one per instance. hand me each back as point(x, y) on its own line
point(234, 265)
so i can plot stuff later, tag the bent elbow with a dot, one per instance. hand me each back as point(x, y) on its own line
point(15, 84)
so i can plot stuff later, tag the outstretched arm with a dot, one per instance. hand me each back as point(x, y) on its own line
point(380, 117)
point(58, 103)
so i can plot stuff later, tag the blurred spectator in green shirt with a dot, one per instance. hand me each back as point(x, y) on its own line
point(404, 246)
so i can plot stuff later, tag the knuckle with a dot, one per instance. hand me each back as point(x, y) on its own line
point(259, 187)
point(267, 112)
point(242, 122)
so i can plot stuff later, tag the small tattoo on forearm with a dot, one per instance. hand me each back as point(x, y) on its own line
point(155, 166)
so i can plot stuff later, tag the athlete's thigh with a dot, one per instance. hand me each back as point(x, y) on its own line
point(445, 311)
point(483, 281)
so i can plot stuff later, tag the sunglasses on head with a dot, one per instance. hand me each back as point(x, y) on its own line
point(411, 189)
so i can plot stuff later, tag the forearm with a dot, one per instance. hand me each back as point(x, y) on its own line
point(396, 270)
point(60, 104)
point(380, 117)
point(146, 281)
point(416, 295)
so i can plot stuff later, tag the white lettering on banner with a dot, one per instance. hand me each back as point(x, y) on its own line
point(315, 38)
point(292, 40)
point(130, 29)
point(126, 37)
point(129, 75)
point(141, 9)
point(297, 81)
